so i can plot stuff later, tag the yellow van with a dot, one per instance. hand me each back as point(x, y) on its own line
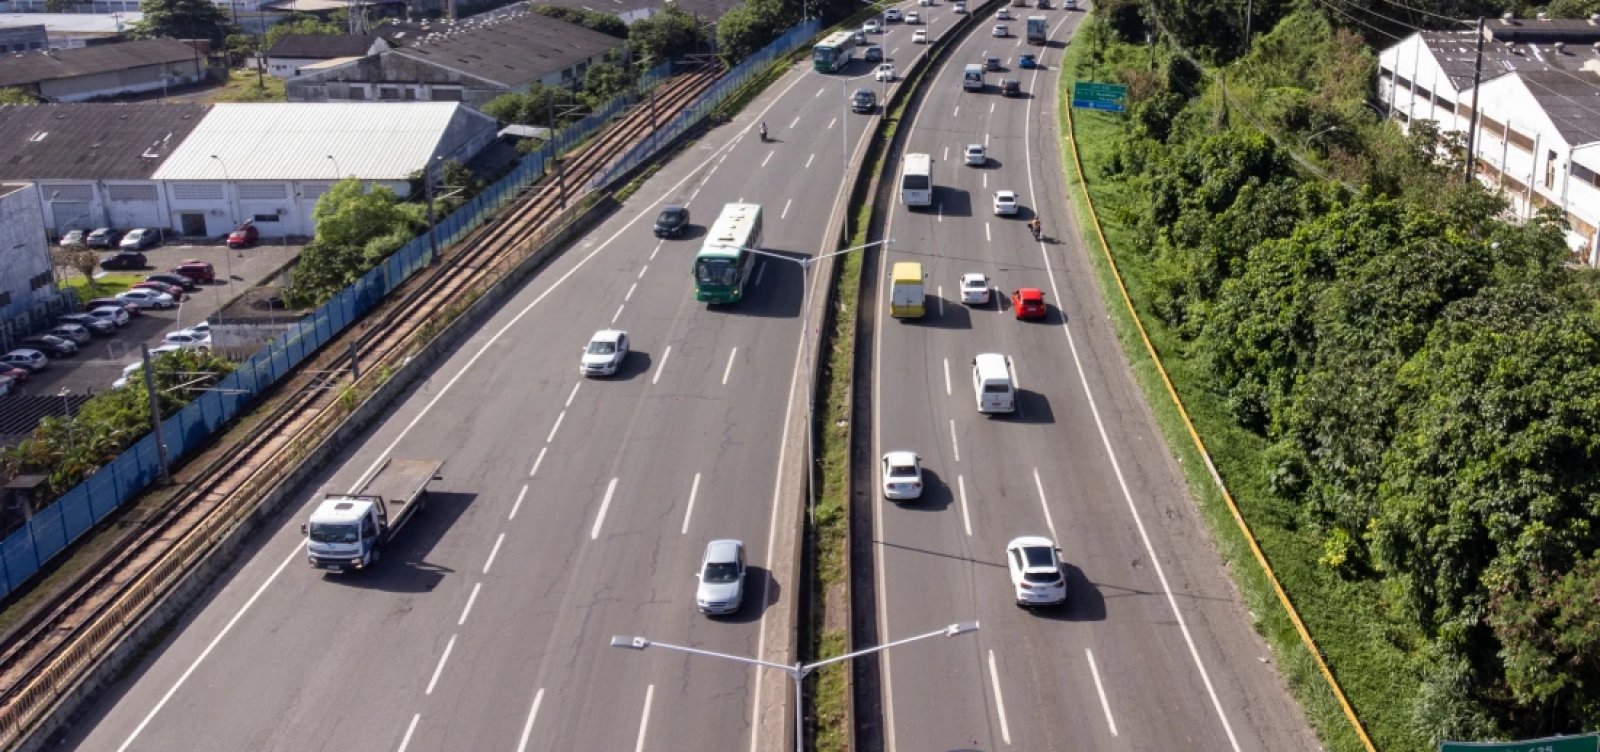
point(906, 297)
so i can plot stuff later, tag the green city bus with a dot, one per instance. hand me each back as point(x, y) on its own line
point(834, 52)
point(723, 264)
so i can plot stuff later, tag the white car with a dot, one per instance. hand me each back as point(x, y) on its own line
point(721, 577)
point(1036, 575)
point(203, 327)
point(147, 298)
point(1003, 15)
point(924, 3)
point(604, 353)
point(30, 360)
point(1005, 203)
point(920, 36)
point(913, 17)
point(892, 14)
point(114, 315)
point(974, 289)
point(188, 340)
point(977, 155)
point(902, 476)
point(885, 72)
point(871, 26)
point(127, 373)
point(1000, 30)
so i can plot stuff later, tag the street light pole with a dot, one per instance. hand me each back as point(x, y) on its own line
point(233, 214)
point(338, 174)
point(799, 671)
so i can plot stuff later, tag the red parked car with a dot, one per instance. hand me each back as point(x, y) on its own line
point(196, 270)
point(244, 236)
point(175, 291)
point(1028, 303)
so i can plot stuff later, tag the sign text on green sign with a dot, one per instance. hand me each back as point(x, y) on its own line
point(1584, 743)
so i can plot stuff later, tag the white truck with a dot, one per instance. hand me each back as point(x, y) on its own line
point(1038, 28)
point(349, 531)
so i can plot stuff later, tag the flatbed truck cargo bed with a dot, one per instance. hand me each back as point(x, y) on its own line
point(349, 531)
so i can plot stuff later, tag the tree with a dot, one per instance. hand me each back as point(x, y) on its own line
point(533, 107)
point(664, 35)
point(77, 258)
point(183, 19)
point(605, 23)
point(604, 81)
point(748, 27)
point(1548, 624)
point(355, 229)
point(16, 96)
point(300, 24)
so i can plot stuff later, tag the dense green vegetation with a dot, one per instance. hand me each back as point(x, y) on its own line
point(357, 228)
point(1418, 374)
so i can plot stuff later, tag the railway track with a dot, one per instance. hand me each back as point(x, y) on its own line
point(65, 636)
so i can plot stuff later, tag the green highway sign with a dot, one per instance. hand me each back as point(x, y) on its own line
point(1584, 743)
point(1092, 95)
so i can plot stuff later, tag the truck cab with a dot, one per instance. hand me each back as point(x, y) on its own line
point(343, 533)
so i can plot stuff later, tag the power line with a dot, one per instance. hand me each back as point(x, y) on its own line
point(1330, 6)
point(1462, 21)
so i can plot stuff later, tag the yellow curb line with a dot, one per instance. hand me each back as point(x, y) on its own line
point(1244, 527)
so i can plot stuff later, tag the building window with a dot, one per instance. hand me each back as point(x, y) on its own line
point(389, 93)
point(1386, 74)
point(266, 217)
point(1550, 170)
point(1442, 101)
point(1424, 94)
point(445, 95)
point(1584, 174)
point(358, 93)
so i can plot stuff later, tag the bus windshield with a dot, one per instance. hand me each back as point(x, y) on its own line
point(823, 57)
point(717, 272)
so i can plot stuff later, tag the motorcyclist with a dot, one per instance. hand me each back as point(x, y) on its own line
point(1034, 227)
point(763, 130)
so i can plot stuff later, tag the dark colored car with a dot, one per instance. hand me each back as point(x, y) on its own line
point(93, 324)
point(1011, 87)
point(102, 237)
point(51, 345)
point(197, 270)
point(863, 101)
point(125, 260)
point(1027, 61)
point(874, 55)
point(244, 236)
point(672, 221)
point(173, 279)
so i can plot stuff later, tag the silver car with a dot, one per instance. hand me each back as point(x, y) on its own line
point(721, 578)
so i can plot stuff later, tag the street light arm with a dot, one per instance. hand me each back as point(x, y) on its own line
point(806, 262)
point(950, 631)
point(639, 643)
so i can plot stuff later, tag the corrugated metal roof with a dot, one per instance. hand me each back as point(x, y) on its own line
point(92, 140)
point(293, 140)
point(49, 65)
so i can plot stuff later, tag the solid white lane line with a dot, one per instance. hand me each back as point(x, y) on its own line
point(471, 599)
point(439, 669)
point(556, 427)
point(947, 377)
point(946, 156)
point(537, 461)
point(694, 488)
point(527, 727)
point(768, 159)
point(295, 554)
point(954, 446)
point(1095, 670)
point(966, 519)
point(786, 204)
point(985, 140)
point(819, 92)
point(761, 269)
point(999, 701)
point(644, 719)
point(604, 505)
point(991, 108)
point(808, 161)
point(411, 728)
point(618, 314)
point(628, 297)
point(988, 236)
point(664, 356)
point(986, 181)
point(940, 207)
point(642, 270)
point(957, 113)
point(729, 369)
point(493, 552)
point(520, 495)
point(1039, 484)
point(572, 394)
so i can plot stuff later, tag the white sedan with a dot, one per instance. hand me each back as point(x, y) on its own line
point(1005, 203)
point(1036, 577)
point(871, 26)
point(885, 72)
point(920, 36)
point(1003, 15)
point(974, 289)
point(913, 17)
point(1000, 30)
point(977, 155)
point(604, 353)
point(902, 476)
point(892, 14)
point(188, 340)
point(147, 298)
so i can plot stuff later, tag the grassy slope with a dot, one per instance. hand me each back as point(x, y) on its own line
point(1370, 653)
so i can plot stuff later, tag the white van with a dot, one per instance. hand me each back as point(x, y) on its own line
point(972, 78)
point(993, 383)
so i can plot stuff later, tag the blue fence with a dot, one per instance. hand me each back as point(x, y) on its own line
point(741, 74)
point(24, 551)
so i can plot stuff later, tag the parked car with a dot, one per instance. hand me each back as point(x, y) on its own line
point(188, 340)
point(103, 237)
point(78, 333)
point(864, 100)
point(721, 577)
point(244, 236)
point(1036, 577)
point(147, 298)
point(124, 260)
point(72, 238)
point(93, 324)
point(203, 327)
point(196, 270)
point(604, 353)
point(51, 344)
point(117, 316)
point(1028, 303)
point(873, 55)
point(31, 360)
point(140, 238)
point(122, 305)
point(672, 221)
point(127, 373)
point(179, 280)
point(19, 375)
point(902, 476)
point(174, 290)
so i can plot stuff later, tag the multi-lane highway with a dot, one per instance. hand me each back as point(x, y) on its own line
point(569, 510)
point(1153, 649)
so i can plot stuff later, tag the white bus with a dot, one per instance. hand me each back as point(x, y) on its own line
point(916, 180)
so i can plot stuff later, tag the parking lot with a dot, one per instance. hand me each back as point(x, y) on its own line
point(100, 361)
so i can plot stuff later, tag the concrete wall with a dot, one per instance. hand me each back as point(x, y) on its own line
point(127, 81)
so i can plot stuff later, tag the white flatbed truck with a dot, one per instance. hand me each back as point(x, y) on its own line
point(349, 531)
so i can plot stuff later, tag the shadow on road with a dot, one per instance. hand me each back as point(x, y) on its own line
point(1084, 601)
point(996, 565)
point(404, 567)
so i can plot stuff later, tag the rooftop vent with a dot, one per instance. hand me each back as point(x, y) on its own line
point(1561, 47)
point(1542, 16)
point(1508, 17)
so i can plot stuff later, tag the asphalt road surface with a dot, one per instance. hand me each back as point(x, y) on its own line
point(1153, 649)
point(570, 510)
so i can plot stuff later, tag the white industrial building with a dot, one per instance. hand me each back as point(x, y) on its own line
point(60, 31)
point(200, 170)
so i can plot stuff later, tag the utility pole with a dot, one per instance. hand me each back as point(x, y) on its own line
point(433, 237)
point(155, 412)
point(1472, 125)
point(1249, 10)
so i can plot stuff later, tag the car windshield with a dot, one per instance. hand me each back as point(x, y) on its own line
point(340, 533)
point(902, 471)
point(715, 272)
point(668, 217)
point(598, 347)
point(721, 572)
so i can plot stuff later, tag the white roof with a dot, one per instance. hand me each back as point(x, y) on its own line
point(73, 23)
point(293, 140)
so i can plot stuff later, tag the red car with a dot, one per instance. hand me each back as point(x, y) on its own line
point(1028, 303)
point(244, 236)
point(19, 374)
point(196, 270)
point(175, 291)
